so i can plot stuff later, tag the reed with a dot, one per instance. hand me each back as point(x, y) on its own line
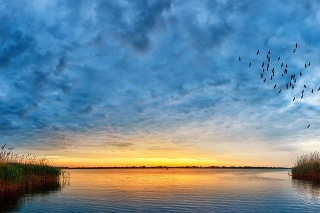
point(24, 172)
point(307, 167)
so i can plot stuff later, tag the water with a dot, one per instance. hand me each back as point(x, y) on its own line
point(177, 190)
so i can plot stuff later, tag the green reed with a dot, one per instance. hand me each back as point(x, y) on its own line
point(307, 167)
point(25, 171)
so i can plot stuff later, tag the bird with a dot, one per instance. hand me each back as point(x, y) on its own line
point(286, 65)
point(302, 91)
point(287, 85)
point(263, 70)
point(279, 90)
point(239, 58)
point(294, 50)
point(264, 80)
point(304, 86)
point(271, 78)
point(292, 87)
point(258, 52)
point(281, 64)
point(273, 69)
point(300, 74)
point(250, 64)
point(274, 86)
point(296, 45)
point(319, 89)
point(312, 91)
point(295, 80)
point(269, 52)
point(294, 98)
point(261, 75)
point(305, 65)
point(301, 96)
point(269, 59)
point(279, 58)
point(309, 64)
point(285, 71)
point(290, 84)
point(262, 64)
point(308, 126)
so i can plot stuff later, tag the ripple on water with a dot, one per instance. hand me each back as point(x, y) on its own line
point(179, 190)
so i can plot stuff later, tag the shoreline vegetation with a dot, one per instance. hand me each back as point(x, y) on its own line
point(26, 173)
point(307, 167)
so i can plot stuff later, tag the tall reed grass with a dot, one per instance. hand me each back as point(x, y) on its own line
point(307, 167)
point(22, 172)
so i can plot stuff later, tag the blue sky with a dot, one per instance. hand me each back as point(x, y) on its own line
point(89, 79)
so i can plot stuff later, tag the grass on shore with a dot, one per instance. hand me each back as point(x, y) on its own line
point(307, 167)
point(25, 171)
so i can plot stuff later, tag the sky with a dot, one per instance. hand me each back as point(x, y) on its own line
point(150, 82)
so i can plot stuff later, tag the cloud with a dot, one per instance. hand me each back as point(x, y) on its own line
point(151, 66)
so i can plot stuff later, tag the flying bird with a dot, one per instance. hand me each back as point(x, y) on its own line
point(300, 74)
point(294, 50)
point(261, 75)
point(286, 65)
point(308, 126)
point(281, 64)
point(262, 64)
point(269, 52)
point(279, 90)
point(301, 96)
point(274, 86)
point(296, 45)
point(264, 80)
point(279, 58)
point(287, 85)
point(304, 86)
point(305, 65)
point(319, 89)
point(294, 98)
point(250, 64)
point(302, 91)
point(309, 64)
point(258, 52)
point(239, 58)
point(312, 91)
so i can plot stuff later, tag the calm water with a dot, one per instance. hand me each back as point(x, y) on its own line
point(177, 190)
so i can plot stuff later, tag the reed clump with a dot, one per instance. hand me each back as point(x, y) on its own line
point(307, 167)
point(24, 172)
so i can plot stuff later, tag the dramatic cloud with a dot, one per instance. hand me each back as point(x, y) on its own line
point(165, 69)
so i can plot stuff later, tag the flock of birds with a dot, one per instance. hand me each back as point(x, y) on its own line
point(268, 74)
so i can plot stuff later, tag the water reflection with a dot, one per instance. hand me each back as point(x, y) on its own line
point(307, 189)
point(13, 200)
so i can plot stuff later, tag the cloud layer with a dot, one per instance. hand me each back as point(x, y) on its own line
point(166, 69)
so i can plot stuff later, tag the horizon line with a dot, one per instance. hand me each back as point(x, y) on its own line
point(167, 167)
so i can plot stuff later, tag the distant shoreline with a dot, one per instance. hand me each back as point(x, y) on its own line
point(177, 167)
